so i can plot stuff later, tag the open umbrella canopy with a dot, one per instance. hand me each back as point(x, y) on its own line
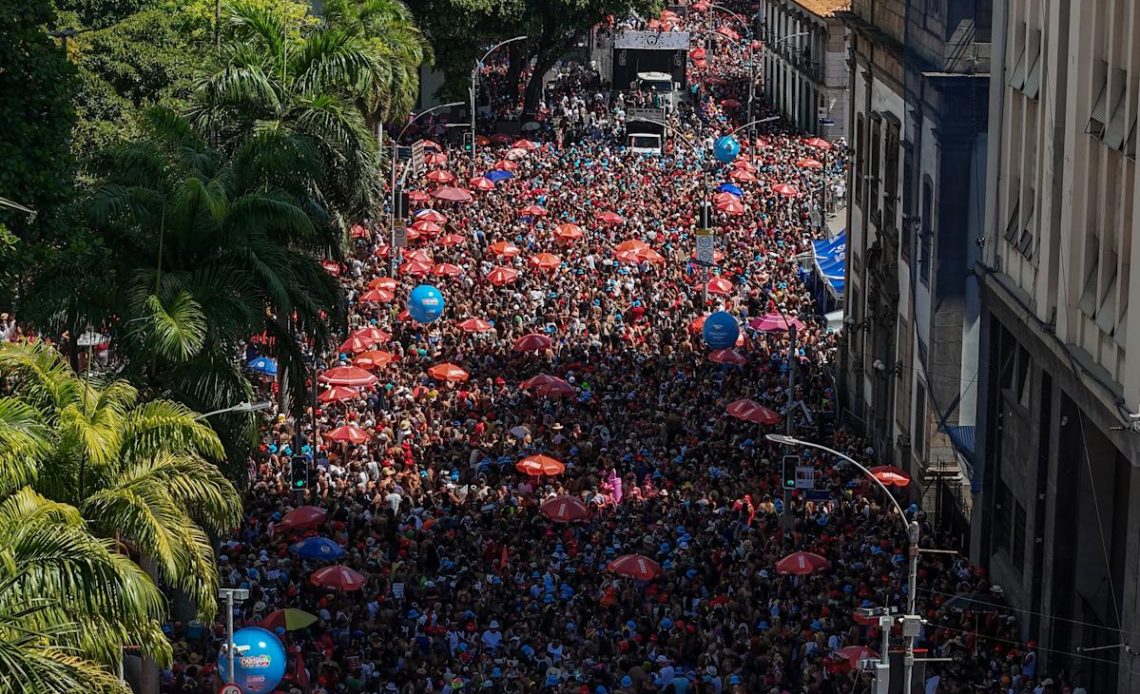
point(697, 53)
point(742, 175)
point(890, 476)
point(383, 250)
point(302, 518)
point(524, 144)
point(431, 145)
point(808, 163)
point(532, 342)
point(698, 324)
point(730, 207)
point(754, 412)
point(338, 394)
point(425, 227)
point(501, 276)
point(631, 245)
point(448, 372)
point(631, 257)
point(818, 143)
point(535, 465)
point(356, 343)
point(374, 359)
point(610, 218)
point(388, 283)
point(497, 175)
point(545, 261)
point(802, 564)
point(415, 268)
point(636, 566)
point(263, 365)
point(377, 296)
point(347, 376)
point(348, 434)
point(775, 322)
point(431, 216)
point(504, 249)
point(532, 210)
point(745, 165)
point(568, 232)
point(449, 240)
point(418, 196)
point(719, 285)
point(725, 198)
point(728, 356)
point(317, 548)
point(331, 267)
point(452, 194)
point(435, 159)
point(651, 256)
point(337, 578)
point(565, 509)
point(440, 176)
point(481, 184)
point(516, 153)
point(540, 381)
point(372, 334)
point(289, 619)
point(785, 189)
point(447, 270)
point(476, 325)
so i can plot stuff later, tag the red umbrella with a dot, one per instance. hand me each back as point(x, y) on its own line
point(504, 249)
point(730, 103)
point(564, 509)
point(374, 359)
point(785, 189)
point(476, 325)
point(807, 163)
point(728, 356)
point(732, 207)
point(452, 194)
point(419, 255)
point(337, 577)
point(532, 342)
point(503, 275)
point(348, 434)
point(524, 144)
point(412, 234)
point(725, 198)
point(347, 376)
point(501, 138)
point(505, 165)
point(754, 412)
point(425, 227)
point(418, 196)
point(890, 476)
point(483, 140)
point(535, 465)
point(700, 6)
point(698, 324)
point(818, 143)
point(430, 216)
point(355, 344)
point(516, 153)
point(533, 211)
point(554, 390)
point(302, 518)
point(435, 159)
point(358, 231)
point(447, 270)
point(482, 184)
point(388, 283)
point(545, 261)
point(440, 176)
point(431, 145)
point(611, 218)
point(448, 372)
point(742, 175)
point(728, 33)
point(568, 232)
point(802, 564)
point(372, 335)
point(331, 267)
point(719, 285)
point(632, 245)
point(775, 322)
point(415, 268)
point(631, 257)
point(449, 240)
point(651, 256)
point(338, 394)
point(744, 164)
point(383, 250)
point(540, 381)
point(636, 566)
point(376, 296)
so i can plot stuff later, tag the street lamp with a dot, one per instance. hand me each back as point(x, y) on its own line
point(911, 621)
point(230, 595)
point(474, 86)
point(396, 156)
point(242, 407)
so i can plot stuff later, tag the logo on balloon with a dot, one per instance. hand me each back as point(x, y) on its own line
point(721, 330)
point(259, 664)
point(726, 148)
point(425, 303)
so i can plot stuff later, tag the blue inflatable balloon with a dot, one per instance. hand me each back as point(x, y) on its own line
point(426, 303)
point(259, 660)
point(726, 148)
point(721, 330)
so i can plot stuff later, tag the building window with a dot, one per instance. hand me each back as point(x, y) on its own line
point(908, 203)
point(919, 440)
point(1003, 501)
point(926, 231)
point(934, 8)
point(891, 175)
point(860, 159)
point(876, 158)
point(1018, 549)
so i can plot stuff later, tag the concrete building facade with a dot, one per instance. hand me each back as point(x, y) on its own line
point(919, 103)
point(805, 63)
point(1056, 518)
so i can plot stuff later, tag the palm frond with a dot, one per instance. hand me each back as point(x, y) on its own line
point(24, 441)
point(162, 427)
point(177, 328)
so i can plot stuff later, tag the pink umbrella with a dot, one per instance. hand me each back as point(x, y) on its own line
point(532, 211)
point(818, 143)
point(436, 159)
point(754, 412)
point(775, 322)
point(610, 218)
point(338, 578)
point(524, 144)
point(532, 342)
point(808, 163)
point(742, 175)
point(728, 356)
point(452, 194)
point(418, 196)
point(347, 376)
point(719, 285)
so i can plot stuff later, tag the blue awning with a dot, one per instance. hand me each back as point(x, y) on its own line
point(831, 262)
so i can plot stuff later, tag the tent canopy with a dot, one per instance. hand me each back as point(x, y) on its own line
point(831, 262)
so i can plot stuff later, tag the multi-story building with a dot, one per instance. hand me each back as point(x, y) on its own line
point(1057, 444)
point(805, 63)
point(919, 71)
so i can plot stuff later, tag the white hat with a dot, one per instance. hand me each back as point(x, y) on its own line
point(494, 624)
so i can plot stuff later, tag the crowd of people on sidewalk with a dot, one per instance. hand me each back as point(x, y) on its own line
point(469, 586)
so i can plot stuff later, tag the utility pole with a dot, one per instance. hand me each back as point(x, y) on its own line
point(230, 595)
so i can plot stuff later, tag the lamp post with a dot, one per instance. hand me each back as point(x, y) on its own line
point(911, 621)
point(474, 86)
point(230, 595)
point(242, 407)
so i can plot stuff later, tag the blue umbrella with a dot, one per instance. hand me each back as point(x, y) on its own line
point(264, 365)
point(497, 175)
point(317, 548)
point(730, 188)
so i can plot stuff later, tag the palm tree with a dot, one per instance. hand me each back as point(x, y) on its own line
point(139, 473)
point(269, 81)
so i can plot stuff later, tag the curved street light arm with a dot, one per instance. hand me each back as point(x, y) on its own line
point(769, 119)
point(423, 113)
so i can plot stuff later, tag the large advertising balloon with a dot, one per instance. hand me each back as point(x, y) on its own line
point(721, 330)
point(726, 148)
point(259, 661)
point(425, 303)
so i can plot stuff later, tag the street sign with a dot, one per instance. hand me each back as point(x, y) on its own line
point(805, 477)
point(706, 247)
point(399, 233)
point(230, 689)
point(418, 156)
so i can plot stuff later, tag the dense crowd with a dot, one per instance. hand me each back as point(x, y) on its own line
point(469, 586)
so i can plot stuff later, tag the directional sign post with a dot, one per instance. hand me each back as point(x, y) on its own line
point(418, 156)
point(805, 477)
point(706, 247)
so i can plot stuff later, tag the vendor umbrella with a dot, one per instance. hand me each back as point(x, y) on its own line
point(481, 184)
point(388, 283)
point(383, 250)
point(425, 227)
point(731, 207)
point(263, 365)
point(302, 518)
point(698, 324)
point(727, 356)
point(418, 196)
point(504, 249)
point(331, 267)
point(533, 211)
point(651, 256)
point(376, 296)
point(348, 434)
point(449, 240)
point(637, 566)
point(338, 394)
point(501, 276)
point(818, 143)
point(742, 175)
point(372, 335)
point(516, 153)
point(431, 216)
point(890, 476)
point(802, 564)
point(524, 144)
point(754, 412)
point(355, 344)
point(317, 548)
point(725, 198)
point(632, 245)
point(853, 654)
point(540, 381)
point(435, 159)
point(497, 175)
point(730, 188)
point(610, 218)
point(808, 163)
point(289, 619)
point(631, 257)
point(452, 194)
point(448, 372)
point(565, 509)
point(347, 376)
point(476, 325)
point(535, 465)
point(545, 261)
point(775, 322)
point(785, 189)
point(697, 53)
point(568, 232)
point(744, 164)
point(374, 359)
point(532, 342)
point(500, 138)
point(440, 176)
point(728, 33)
point(447, 270)
point(554, 390)
point(338, 578)
point(415, 268)
point(431, 145)
point(719, 285)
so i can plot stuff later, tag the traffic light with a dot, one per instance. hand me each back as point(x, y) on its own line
point(467, 142)
point(705, 221)
point(300, 472)
point(402, 204)
point(788, 471)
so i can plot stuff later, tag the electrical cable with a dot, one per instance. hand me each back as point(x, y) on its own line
point(1026, 611)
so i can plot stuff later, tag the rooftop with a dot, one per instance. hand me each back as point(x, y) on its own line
point(823, 8)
